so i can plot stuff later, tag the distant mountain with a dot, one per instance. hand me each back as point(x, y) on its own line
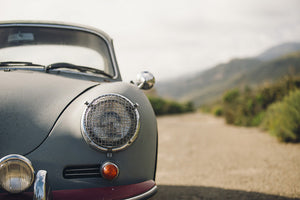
point(279, 50)
point(209, 85)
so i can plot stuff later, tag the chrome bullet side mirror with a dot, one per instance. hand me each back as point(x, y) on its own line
point(145, 80)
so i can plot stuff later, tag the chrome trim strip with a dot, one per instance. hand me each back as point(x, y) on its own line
point(99, 33)
point(94, 145)
point(145, 195)
point(41, 188)
point(22, 68)
point(17, 157)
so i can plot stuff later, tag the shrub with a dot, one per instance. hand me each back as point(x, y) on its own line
point(189, 107)
point(174, 107)
point(217, 111)
point(231, 95)
point(257, 119)
point(283, 118)
point(247, 108)
point(158, 104)
point(163, 107)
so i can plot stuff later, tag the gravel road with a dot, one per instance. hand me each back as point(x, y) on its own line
point(200, 157)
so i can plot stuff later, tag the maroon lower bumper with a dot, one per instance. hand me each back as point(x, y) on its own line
point(118, 192)
point(134, 191)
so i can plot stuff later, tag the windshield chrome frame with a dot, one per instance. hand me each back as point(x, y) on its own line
point(91, 30)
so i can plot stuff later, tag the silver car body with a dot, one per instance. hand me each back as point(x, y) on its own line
point(41, 119)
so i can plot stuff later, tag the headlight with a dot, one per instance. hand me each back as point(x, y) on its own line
point(16, 173)
point(110, 122)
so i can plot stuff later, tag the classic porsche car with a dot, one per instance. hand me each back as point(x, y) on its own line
point(70, 128)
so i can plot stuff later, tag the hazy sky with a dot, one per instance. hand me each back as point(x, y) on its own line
point(171, 37)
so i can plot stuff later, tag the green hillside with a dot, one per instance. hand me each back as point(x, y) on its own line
point(209, 85)
point(279, 50)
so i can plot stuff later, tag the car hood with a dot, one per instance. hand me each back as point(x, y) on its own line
point(30, 104)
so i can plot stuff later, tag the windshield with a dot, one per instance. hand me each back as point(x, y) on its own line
point(44, 45)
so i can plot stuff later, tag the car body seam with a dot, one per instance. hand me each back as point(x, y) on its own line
point(60, 114)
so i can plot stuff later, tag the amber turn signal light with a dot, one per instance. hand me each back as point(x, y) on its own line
point(109, 171)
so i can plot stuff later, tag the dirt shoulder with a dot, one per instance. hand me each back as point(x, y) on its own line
point(200, 157)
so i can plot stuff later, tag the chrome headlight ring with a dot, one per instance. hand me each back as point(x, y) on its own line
point(110, 122)
point(16, 173)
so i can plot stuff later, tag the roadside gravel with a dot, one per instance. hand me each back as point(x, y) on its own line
point(201, 157)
